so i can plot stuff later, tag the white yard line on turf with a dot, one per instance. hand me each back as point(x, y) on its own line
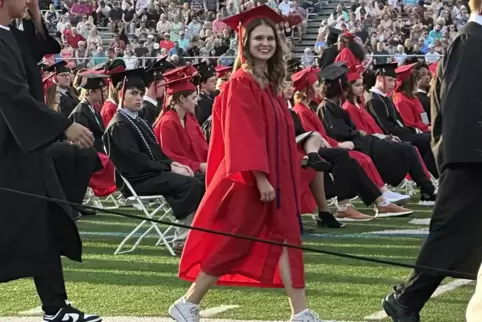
point(138, 319)
point(439, 291)
point(420, 221)
point(216, 310)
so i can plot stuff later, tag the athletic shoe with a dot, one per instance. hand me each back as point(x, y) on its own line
point(71, 314)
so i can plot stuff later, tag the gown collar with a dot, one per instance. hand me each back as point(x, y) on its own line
point(129, 113)
point(5, 27)
point(377, 91)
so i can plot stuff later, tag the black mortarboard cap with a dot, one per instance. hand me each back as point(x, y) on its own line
point(386, 70)
point(333, 72)
point(58, 68)
point(205, 72)
point(134, 78)
point(156, 69)
point(92, 80)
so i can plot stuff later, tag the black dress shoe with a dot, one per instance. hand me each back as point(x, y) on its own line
point(315, 162)
point(397, 312)
point(327, 220)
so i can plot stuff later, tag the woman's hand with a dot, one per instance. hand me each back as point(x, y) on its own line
point(266, 190)
point(348, 145)
point(203, 167)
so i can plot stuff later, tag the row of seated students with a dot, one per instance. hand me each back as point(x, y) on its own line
point(169, 155)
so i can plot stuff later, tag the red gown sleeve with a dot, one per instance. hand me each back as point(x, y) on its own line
point(174, 149)
point(107, 112)
point(347, 57)
point(409, 113)
point(244, 126)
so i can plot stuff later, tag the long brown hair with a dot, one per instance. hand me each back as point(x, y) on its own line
point(50, 98)
point(408, 85)
point(276, 65)
point(171, 101)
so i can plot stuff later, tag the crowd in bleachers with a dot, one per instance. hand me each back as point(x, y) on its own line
point(392, 30)
point(139, 31)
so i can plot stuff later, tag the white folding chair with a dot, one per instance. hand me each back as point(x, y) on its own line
point(163, 212)
point(91, 198)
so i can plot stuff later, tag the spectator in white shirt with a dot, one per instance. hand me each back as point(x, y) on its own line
point(432, 56)
point(285, 7)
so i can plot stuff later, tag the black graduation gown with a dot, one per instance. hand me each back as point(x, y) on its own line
point(387, 117)
point(328, 57)
point(28, 225)
point(456, 128)
point(425, 101)
point(87, 116)
point(150, 112)
point(67, 104)
point(204, 107)
point(33, 48)
point(147, 168)
point(391, 161)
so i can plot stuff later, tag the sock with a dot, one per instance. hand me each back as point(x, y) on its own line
point(383, 203)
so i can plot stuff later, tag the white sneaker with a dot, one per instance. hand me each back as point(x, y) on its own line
point(307, 316)
point(183, 311)
point(395, 197)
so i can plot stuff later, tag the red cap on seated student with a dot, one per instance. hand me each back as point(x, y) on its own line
point(182, 93)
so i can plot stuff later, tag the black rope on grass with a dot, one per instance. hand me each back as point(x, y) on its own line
point(422, 269)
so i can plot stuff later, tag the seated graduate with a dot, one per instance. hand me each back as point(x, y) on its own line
point(394, 159)
point(136, 153)
point(423, 85)
point(154, 97)
point(109, 108)
point(206, 82)
point(84, 113)
point(406, 101)
point(312, 178)
point(350, 52)
point(383, 110)
point(92, 85)
point(349, 178)
point(222, 75)
point(177, 129)
point(63, 79)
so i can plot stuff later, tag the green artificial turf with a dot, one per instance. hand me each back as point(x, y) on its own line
point(145, 283)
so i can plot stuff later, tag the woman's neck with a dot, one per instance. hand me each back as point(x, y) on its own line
point(180, 112)
point(4, 17)
point(259, 68)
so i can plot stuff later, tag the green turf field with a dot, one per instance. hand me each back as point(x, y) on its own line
point(144, 283)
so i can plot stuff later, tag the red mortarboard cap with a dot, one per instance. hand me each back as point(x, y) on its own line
point(349, 35)
point(404, 72)
point(245, 17)
point(304, 78)
point(179, 80)
point(222, 71)
point(354, 73)
point(47, 81)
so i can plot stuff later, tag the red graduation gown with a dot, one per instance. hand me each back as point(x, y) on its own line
point(252, 130)
point(107, 112)
point(184, 144)
point(361, 118)
point(411, 111)
point(102, 182)
point(311, 122)
point(346, 56)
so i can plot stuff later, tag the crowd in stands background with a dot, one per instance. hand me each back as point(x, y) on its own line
point(143, 30)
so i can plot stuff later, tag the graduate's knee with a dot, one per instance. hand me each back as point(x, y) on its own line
point(313, 143)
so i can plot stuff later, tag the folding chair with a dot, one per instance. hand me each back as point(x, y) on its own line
point(161, 208)
point(96, 201)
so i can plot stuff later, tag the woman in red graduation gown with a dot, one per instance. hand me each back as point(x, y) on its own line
point(405, 100)
point(109, 108)
point(177, 129)
point(350, 52)
point(306, 83)
point(252, 180)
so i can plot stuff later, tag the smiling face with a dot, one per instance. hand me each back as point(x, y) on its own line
point(262, 43)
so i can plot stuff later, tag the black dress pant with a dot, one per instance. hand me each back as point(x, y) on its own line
point(74, 168)
point(416, 169)
point(455, 241)
point(422, 142)
point(50, 283)
point(349, 178)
